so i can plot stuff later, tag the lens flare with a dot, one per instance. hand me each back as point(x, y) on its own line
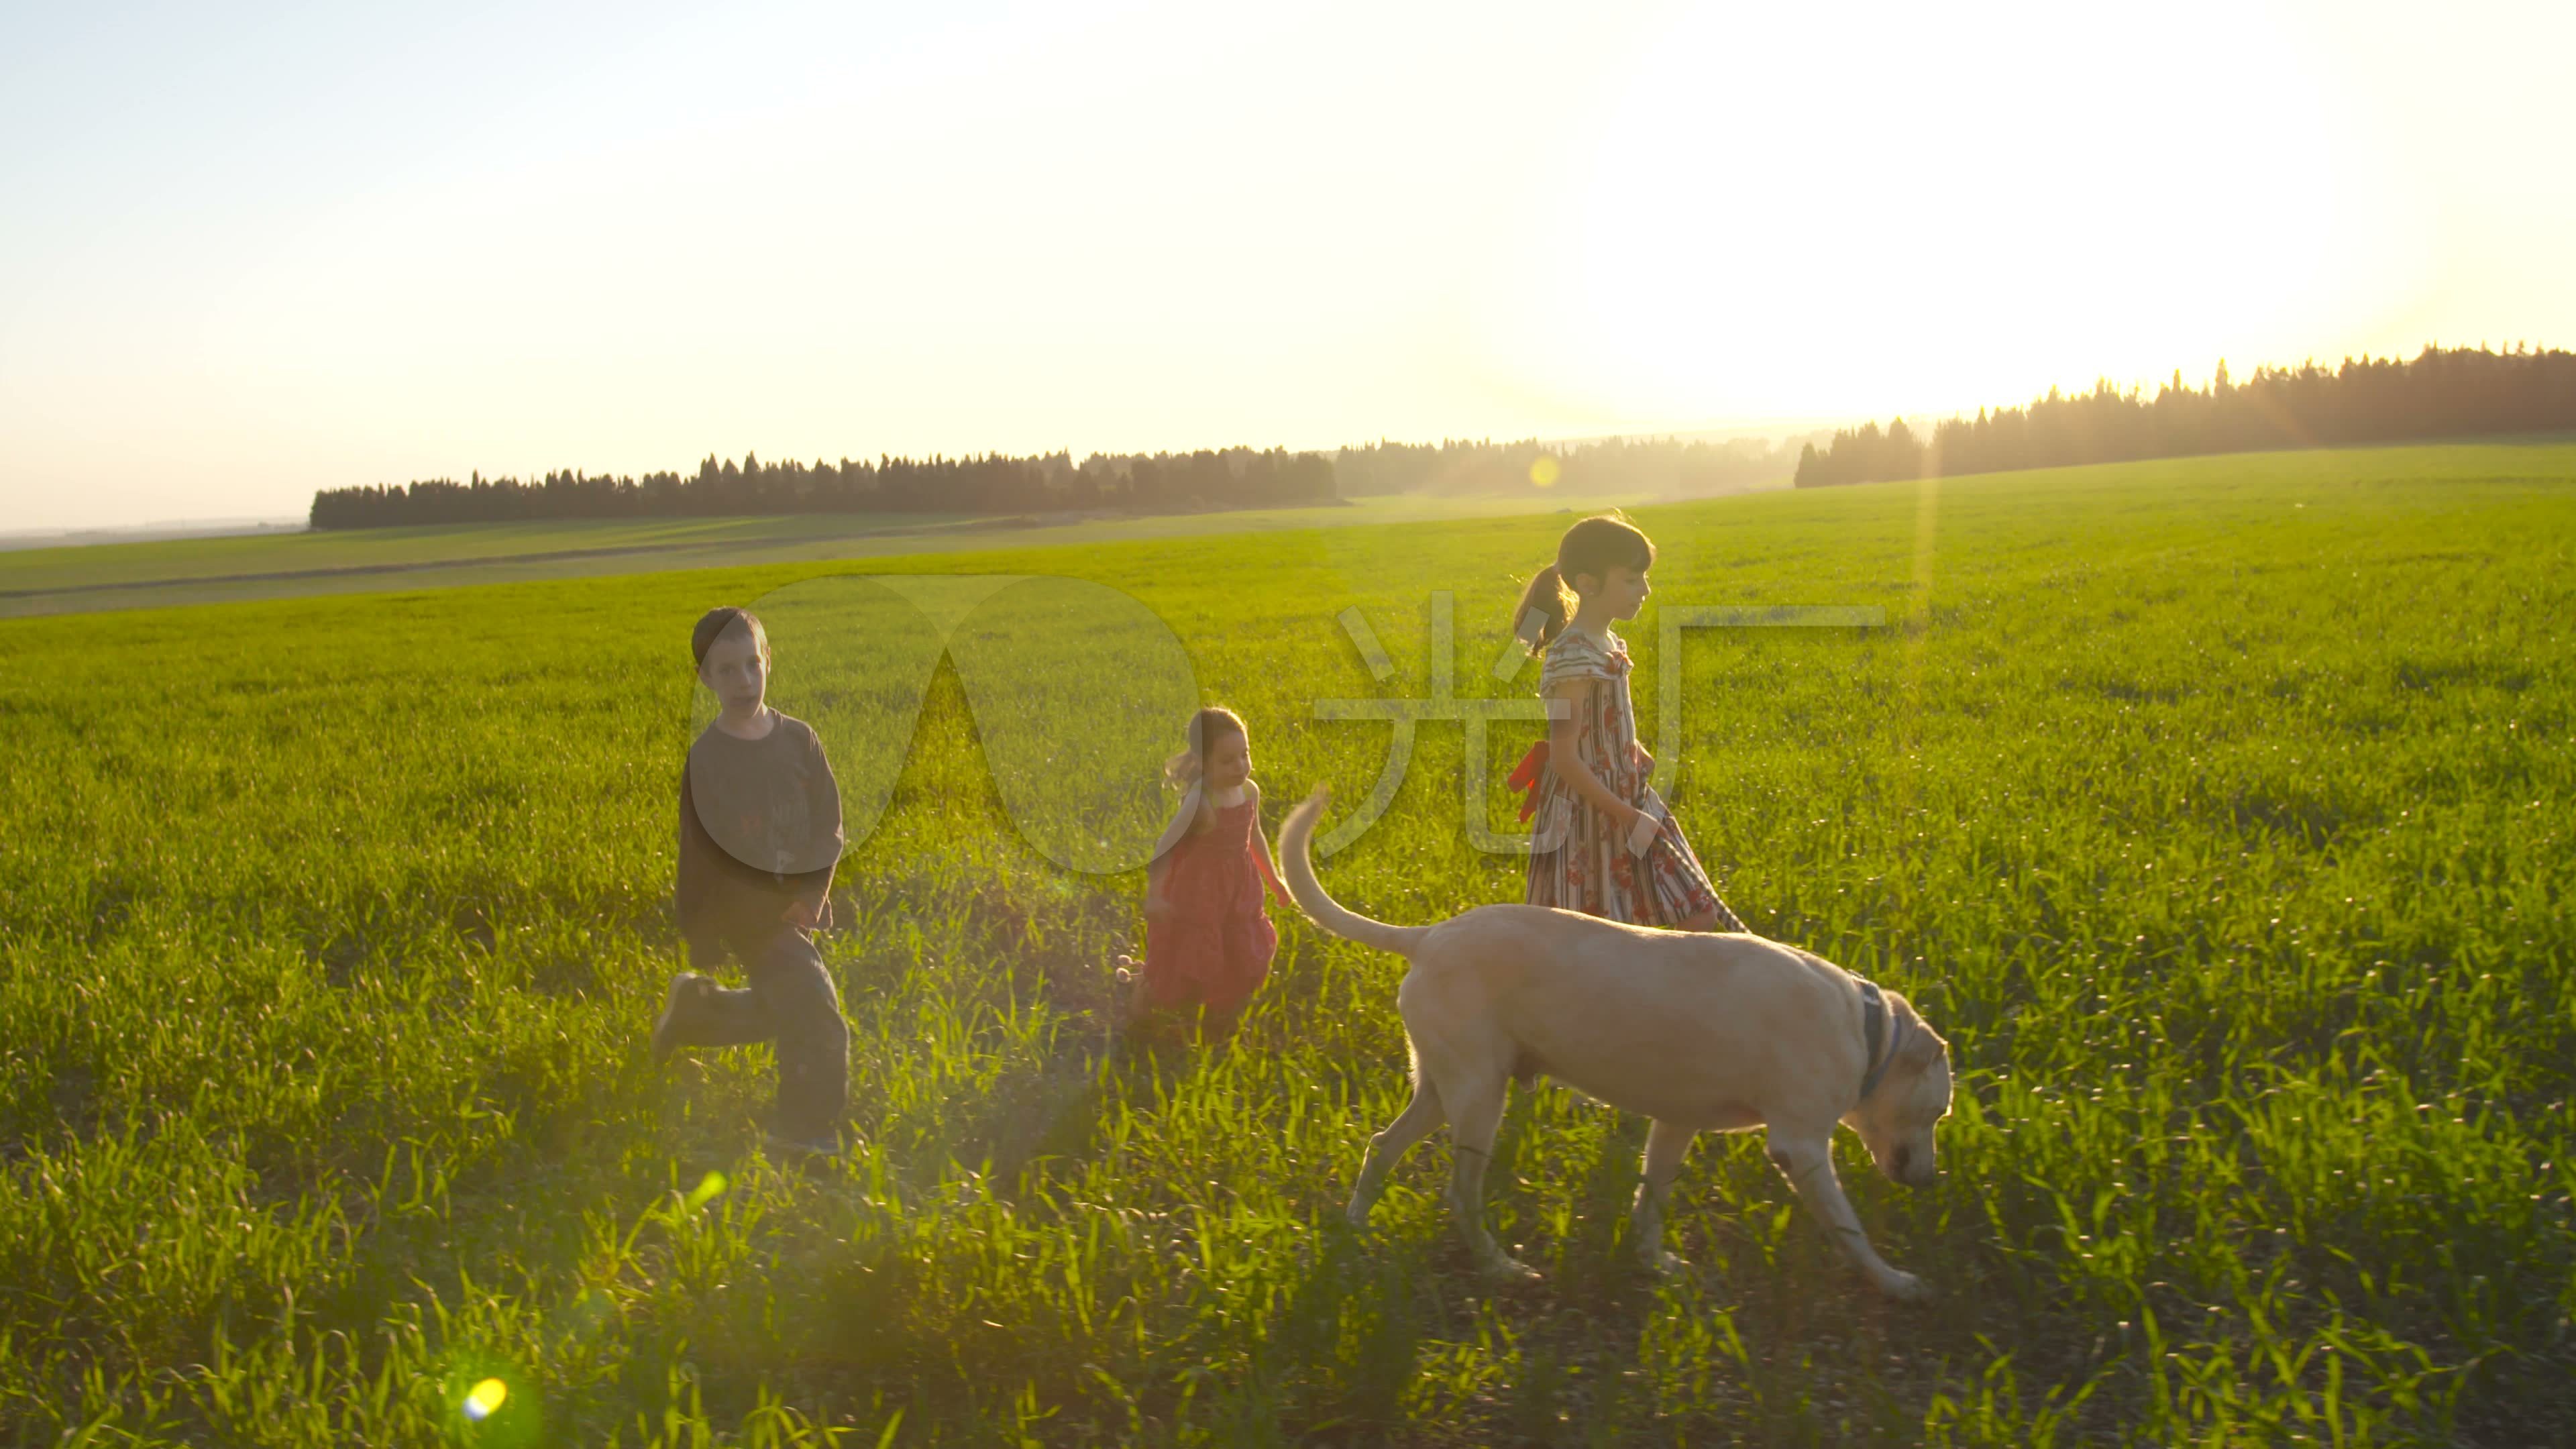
point(1543, 473)
point(484, 1398)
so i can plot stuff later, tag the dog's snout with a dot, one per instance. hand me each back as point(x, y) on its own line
point(1911, 1168)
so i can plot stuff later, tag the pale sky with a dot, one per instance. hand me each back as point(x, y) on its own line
point(251, 251)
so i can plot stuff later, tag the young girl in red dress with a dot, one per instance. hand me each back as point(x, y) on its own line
point(1208, 942)
point(1604, 843)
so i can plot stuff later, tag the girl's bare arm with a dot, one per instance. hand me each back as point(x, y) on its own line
point(1184, 816)
point(1259, 845)
point(1155, 902)
point(1183, 819)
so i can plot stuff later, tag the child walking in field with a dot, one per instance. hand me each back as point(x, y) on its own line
point(1208, 942)
point(1610, 846)
point(760, 833)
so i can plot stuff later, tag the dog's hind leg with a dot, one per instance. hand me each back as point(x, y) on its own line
point(1665, 1144)
point(1475, 1114)
point(1808, 1163)
point(1421, 1117)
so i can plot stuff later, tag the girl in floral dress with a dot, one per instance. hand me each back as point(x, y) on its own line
point(1605, 844)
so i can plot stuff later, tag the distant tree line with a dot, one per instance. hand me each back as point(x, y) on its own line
point(2441, 393)
point(1054, 483)
point(1600, 466)
point(993, 484)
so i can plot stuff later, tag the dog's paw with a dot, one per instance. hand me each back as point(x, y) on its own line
point(1904, 1287)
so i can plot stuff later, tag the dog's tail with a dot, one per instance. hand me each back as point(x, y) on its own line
point(1299, 870)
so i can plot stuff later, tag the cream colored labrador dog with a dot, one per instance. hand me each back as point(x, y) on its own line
point(1699, 1032)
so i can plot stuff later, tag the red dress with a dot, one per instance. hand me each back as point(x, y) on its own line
point(1215, 945)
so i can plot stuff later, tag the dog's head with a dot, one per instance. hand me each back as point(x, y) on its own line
point(1912, 1097)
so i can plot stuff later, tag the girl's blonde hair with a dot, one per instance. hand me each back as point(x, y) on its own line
point(1184, 769)
point(1594, 546)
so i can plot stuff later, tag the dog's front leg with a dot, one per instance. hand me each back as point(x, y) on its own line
point(1665, 1144)
point(1808, 1163)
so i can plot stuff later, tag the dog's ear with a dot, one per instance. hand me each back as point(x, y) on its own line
point(1921, 1047)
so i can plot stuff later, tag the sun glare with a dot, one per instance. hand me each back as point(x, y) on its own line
point(1788, 212)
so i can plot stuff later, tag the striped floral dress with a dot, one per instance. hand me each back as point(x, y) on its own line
point(1587, 866)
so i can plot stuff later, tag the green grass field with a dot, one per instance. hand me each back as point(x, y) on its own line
point(240, 567)
point(2218, 812)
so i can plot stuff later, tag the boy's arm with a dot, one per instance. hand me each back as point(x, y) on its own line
point(689, 889)
point(826, 791)
point(812, 906)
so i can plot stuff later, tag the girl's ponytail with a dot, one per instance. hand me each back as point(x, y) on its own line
point(1592, 546)
point(1542, 611)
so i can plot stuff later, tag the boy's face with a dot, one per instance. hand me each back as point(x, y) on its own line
point(736, 669)
point(1229, 762)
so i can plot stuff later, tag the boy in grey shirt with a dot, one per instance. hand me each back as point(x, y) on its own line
point(760, 833)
